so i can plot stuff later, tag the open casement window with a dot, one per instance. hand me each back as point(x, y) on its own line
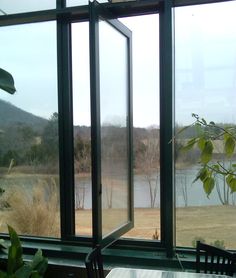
point(111, 125)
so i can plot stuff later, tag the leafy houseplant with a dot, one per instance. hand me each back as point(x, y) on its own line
point(16, 267)
point(207, 135)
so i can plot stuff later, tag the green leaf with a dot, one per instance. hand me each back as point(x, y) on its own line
point(229, 146)
point(202, 174)
point(199, 130)
point(189, 145)
point(15, 260)
point(201, 143)
point(216, 167)
point(23, 272)
point(39, 263)
point(208, 185)
point(231, 181)
point(7, 82)
point(38, 257)
point(206, 154)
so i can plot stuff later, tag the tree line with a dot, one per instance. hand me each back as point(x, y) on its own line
point(24, 145)
point(21, 144)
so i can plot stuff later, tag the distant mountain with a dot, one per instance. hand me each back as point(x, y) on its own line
point(12, 115)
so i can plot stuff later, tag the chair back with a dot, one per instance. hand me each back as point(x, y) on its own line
point(216, 260)
point(94, 263)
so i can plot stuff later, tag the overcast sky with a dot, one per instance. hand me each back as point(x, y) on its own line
point(28, 52)
point(205, 62)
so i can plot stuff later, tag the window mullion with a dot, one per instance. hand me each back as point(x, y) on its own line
point(65, 128)
point(166, 128)
point(95, 126)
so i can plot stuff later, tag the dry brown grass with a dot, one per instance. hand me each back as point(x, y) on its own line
point(211, 223)
point(33, 213)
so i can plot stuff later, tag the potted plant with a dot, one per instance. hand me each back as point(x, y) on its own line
point(16, 267)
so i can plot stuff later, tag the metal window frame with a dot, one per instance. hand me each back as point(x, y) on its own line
point(166, 128)
point(120, 9)
point(65, 109)
point(98, 12)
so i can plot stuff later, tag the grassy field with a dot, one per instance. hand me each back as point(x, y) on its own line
point(210, 223)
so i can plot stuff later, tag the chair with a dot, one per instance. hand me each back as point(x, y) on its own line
point(94, 263)
point(216, 260)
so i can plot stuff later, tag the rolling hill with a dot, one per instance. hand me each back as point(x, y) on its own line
point(12, 115)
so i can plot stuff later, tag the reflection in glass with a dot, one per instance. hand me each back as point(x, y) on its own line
point(114, 148)
point(82, 128)
point(29, 198)
point(16, 6)
point(205, 51)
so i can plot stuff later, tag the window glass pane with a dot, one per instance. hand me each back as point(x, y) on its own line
point(29, 186)
point(146, 126)
point(205, 51)
point(16, 6)
point(114, 128)
point(82, 128)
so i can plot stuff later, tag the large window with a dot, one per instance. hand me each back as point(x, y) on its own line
point(65, 135)
point(205, 43)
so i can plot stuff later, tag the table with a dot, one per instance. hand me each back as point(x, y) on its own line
point(148, 273)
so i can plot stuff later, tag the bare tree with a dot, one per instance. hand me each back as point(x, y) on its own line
point(183, 188)
point(148, 161)
point(80, 196)
point(109, 185)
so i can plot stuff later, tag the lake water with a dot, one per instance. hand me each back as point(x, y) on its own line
point(187, 192)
